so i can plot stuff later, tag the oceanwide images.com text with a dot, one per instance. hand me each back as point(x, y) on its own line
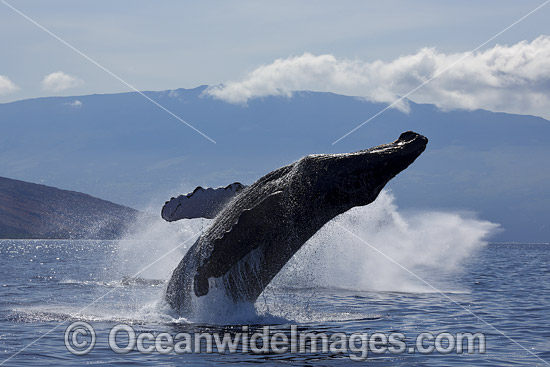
point(80, 339)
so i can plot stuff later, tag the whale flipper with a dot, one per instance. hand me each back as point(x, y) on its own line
point(246, 235)
point(201, 203)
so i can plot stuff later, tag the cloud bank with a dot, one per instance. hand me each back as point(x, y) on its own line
point(6, 85)
point(513, 79)
point(59, 81)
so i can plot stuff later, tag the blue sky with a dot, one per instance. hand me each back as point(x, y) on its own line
point(166, 45)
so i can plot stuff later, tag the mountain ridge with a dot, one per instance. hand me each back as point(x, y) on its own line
point(29, 210)
point(123, 148)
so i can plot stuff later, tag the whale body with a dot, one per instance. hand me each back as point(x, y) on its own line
point(260, 227)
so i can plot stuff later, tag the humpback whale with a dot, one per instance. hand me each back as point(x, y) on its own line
point(257, 229)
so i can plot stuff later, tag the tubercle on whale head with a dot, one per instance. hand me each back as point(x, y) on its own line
point(355, 179)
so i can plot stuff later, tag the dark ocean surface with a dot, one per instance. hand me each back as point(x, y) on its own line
point(45, 285)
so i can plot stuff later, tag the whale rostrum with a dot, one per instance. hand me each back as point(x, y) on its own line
point(258, 228)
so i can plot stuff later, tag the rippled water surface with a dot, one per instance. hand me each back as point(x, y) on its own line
point(502, 291)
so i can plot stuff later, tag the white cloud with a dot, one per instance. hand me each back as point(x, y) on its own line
point(59, 81)
point(512, 78)
point(6, 85)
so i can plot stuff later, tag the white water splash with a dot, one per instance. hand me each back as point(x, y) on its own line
point(430, 244)
point(433, 245)
point(154, 247)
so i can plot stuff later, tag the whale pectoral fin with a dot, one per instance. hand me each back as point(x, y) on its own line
point(201, 203)
point(254, 227)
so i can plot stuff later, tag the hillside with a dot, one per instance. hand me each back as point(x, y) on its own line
point(28, 210)
point(125, 149)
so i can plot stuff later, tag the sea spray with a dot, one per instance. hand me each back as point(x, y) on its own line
point(155, 240)
point(377, 247)
point(430, 244)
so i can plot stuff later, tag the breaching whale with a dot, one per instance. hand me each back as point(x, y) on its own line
point(257, 229)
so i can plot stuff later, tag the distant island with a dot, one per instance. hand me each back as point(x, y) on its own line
point(121, 148)
point(29, 211)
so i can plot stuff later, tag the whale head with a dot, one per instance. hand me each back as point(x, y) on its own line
point(354, 179)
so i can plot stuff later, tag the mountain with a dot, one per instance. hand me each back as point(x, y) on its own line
point(123, 148)
point(29, 210)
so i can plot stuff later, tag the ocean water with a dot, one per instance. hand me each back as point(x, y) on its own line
point(46, 285)
point(448, 281)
